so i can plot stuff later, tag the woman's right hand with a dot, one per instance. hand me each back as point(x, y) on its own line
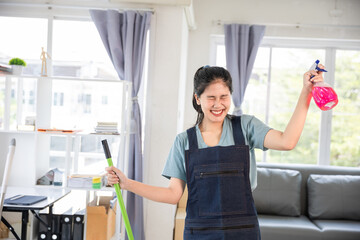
point(311, 77)
point(170, 194)
point(114, 175)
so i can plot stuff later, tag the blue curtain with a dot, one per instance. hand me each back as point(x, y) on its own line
point(241, 45)
point(124, 37)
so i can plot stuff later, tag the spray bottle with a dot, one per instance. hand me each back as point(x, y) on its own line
point(324, 95)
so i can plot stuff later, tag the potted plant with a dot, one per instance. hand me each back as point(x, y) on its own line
point(17, 65)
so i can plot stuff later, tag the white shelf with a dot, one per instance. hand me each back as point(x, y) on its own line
point(105, 189)
point(62, 133)
point(17, 132)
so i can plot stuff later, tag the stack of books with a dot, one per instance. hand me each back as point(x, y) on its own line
point(107, 128)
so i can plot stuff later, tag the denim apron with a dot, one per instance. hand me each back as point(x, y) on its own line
point(220, 205)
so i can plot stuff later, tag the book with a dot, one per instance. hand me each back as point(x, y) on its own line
point(86, 180)
point(24, 200)
point(107, 123)
point(106, 127)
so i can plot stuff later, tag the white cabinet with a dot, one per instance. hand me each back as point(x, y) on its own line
point(62, 103)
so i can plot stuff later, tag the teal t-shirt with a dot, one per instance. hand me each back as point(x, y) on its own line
point(254, 133)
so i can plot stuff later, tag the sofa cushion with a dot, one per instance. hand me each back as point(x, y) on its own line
point(339, 229)
point(334, 197)
point(283, 227)
point(278, 192)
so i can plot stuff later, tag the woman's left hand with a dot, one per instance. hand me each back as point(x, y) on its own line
point(309, 82)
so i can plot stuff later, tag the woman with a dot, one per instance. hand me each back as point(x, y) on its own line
point(213, 159)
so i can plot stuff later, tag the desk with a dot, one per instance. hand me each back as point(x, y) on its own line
point(53, 195)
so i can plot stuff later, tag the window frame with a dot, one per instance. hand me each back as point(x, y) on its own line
point(330, 46)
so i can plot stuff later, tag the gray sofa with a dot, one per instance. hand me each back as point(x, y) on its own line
point(308, 202)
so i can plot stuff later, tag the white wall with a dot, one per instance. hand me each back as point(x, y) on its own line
point(166, 72)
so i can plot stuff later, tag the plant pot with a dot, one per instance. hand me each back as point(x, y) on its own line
point(17, 69)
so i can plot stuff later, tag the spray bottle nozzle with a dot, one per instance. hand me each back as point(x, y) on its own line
point(317, 67)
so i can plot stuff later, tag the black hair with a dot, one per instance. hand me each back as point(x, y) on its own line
point(203, 77)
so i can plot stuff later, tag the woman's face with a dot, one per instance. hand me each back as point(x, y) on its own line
point(215, 101)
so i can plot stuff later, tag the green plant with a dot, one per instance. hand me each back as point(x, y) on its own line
point(17, 61)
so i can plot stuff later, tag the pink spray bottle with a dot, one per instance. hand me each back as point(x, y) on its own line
point(324, 95)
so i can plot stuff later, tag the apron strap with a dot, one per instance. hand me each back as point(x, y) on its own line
point(237, 131)
point(193, 143)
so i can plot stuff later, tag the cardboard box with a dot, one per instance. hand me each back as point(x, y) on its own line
point(4, 231)
point(179, 223)
point(180, 216)
point(101, 218)
point(183, 200)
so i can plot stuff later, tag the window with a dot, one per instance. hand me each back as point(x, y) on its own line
point(31, 97)
point(82, 103)
point(84, 100)
point(28, 35)
point(91, 153)
point(83, 89)
point(77, 49)
point(287, 68)
point(58, 98)
point(345, 137)
point(104, 100)
point(85, 86)
point(79, 52)
point(332, 137)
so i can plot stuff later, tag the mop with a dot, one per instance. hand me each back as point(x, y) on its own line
point(118, 192)
point(7, 168)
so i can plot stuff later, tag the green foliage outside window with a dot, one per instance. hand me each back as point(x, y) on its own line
point(286, 87)
point(345, 133)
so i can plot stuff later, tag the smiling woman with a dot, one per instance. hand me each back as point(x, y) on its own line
point(213, 100)
point(215, 103)
point(212, 86)
point(215, 161)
